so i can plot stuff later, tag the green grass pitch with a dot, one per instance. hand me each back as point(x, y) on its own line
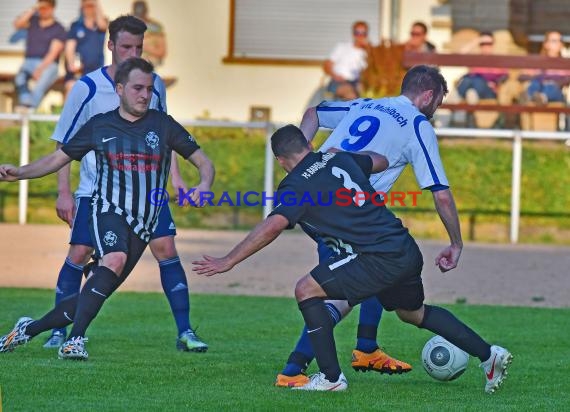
point(134, 366)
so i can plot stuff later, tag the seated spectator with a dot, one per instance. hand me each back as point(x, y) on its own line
point(154, 48)
point(85, 42)
point(546, 85)
point(346, 63)
point(418, 39)
point(44, 44)
point(481, 82)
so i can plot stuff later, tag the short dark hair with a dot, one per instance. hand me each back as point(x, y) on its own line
point(51, 2)
point(421, 78)
point(128, 23)
point(288, 140)
point(422, 25)
point(126, 67)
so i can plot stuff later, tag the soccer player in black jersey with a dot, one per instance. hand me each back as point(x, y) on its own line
point(133, 147)
point(330, 195)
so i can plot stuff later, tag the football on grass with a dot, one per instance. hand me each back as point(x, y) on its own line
point(442, 360)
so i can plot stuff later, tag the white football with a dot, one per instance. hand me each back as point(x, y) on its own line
point(442, 360)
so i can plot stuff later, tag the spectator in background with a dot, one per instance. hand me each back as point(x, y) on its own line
point(481, 82)
point(546, 85)
point(85, 42)
point(346, 63)
point(418, 39)
point(44, 44)
point(154, 39)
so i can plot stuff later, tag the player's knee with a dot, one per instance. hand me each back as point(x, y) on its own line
point(163, 248)
point(115, 261)
point(414, 317)
point(306, 288)
point(79, 254)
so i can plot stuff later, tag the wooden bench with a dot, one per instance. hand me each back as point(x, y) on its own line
point(7, 79)
point(529, 114)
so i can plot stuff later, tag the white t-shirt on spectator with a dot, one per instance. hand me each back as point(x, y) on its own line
point(348, 61)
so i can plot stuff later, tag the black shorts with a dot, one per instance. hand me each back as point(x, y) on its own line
point(111, 233)
point(395, 278)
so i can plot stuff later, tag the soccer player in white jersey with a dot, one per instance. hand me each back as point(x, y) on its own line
point(399, 128)
point(95, 93)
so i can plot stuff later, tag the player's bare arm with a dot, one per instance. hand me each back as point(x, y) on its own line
point(448, 258)
point(41, 167)
point(175, 175)
point(262, 235)
point(379, 162)
point(65, 202)
point(310, 123)
point(176, 179)
point(207, 172)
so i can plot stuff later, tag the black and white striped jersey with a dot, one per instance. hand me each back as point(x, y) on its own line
point(133, 163)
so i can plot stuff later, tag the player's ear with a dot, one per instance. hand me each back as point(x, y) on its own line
point(110, 45)
point(119, 88)
point(428, 96)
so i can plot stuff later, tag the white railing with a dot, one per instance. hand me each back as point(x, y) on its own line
point(25, 120)
point(515, 135)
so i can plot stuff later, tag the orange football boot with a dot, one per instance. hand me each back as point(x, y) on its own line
point(292, 381)
point(378, 361)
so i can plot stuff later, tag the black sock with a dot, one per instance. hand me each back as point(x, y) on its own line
point(97, 288)
point(320, 331)
point(443, 323)
point(59, 317)
point(367, 332)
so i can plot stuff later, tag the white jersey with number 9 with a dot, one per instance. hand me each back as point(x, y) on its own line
point(391, 126)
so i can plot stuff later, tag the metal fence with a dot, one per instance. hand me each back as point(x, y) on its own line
point(516, 136)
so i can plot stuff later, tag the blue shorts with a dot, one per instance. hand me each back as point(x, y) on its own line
point(324, 251)
point(333, 86)
point(80, 233)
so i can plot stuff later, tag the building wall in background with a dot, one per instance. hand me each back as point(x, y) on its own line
point(198, 35)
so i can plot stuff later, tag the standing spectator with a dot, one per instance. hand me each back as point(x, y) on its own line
point(481, 82)
point(154, 40)
point(546, 85)
point(346, 62)
point(85, 42)
point(44, 44)
point(418, 41)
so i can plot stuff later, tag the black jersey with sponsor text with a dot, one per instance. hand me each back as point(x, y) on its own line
point(325, 194)
point(133, 162)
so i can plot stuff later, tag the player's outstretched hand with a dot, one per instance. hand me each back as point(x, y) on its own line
point(448, 258)
point(211, 265)
point(8, 173)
